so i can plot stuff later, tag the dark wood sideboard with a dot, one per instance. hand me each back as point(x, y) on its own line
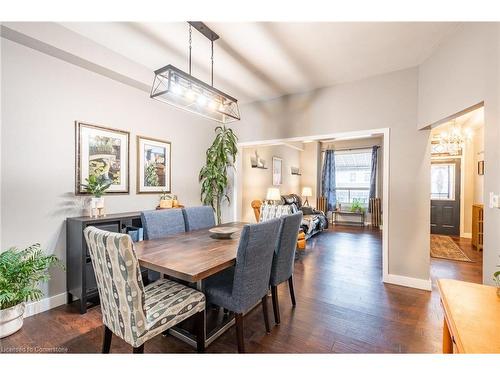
point(80, 281)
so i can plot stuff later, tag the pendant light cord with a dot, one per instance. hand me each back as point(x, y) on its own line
point(190, 40)
point(212, 59)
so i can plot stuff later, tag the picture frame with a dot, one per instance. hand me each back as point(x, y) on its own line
point(277, 171)
point(480, 167)
point(104, 151)
point(154, 165)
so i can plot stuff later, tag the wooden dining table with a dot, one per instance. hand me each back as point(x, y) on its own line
point(192, 257)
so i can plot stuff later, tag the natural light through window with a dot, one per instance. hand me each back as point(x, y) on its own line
point(352, 177)
point(443, 181)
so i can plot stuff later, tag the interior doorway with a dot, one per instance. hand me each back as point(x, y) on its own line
point(457, 196)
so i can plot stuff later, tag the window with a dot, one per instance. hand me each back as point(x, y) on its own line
point(352, 177)
point(443, 181)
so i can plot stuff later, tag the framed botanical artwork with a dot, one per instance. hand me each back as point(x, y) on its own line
point(153, 165)
point(104, 152)
point(277, 171)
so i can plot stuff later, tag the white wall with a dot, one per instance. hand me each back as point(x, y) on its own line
point(461, 73)
point(386, 101)
point(256, 181)
point(478, 150)
point(310, 168)
point(42, 96)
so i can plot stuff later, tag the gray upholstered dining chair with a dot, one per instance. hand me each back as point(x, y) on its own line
point(244, 285)
point(129, 310)
point(162, 223)
point(283, 260)
point(199, 217)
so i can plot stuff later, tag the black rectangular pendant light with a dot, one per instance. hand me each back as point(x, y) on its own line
point(180, 89)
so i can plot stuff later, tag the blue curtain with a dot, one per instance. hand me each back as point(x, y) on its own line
point(328, 180)
point(373, 177)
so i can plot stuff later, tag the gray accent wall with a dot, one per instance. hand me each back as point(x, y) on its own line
point(42, 96)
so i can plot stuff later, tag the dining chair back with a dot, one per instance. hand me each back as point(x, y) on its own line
point(199, 217)
point(253, 263)
point(162, 223)
point(283, 260)
point(284, 254)
point(119, 282)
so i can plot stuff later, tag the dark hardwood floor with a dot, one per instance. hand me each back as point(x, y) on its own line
point(342, 307)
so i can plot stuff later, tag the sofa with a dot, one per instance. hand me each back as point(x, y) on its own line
point(313, 221)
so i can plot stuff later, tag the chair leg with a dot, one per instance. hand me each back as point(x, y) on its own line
point(266, 316)
point(292, 293)
point(239, 332)
point(106, 342)
point(200, 331)
point(139, 350)
point(276, 306)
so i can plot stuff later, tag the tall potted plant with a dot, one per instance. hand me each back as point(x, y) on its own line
point(213, 176)
point(21, 272)
point(96, 186)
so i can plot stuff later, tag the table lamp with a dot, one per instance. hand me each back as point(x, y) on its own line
point(307, 192)
point(273, 194)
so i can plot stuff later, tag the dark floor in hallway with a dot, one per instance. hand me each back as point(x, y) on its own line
point(342, 306)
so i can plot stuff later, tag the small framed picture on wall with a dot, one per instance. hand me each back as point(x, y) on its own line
point(153, 165)
point(102, 151)
point(277, 171)
point(480, 167)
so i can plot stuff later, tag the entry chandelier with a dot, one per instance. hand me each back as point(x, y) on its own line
point(453, 141)
point(180, 89)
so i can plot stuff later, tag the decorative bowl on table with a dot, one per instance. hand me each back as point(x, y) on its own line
point(223, 232)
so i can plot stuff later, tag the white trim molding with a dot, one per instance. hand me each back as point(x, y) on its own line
point(410, 282)
point(45, 304)
point(466, 235)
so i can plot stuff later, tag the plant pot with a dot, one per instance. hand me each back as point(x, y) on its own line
point(166, 203)
point(96, 206)
point(11, 319)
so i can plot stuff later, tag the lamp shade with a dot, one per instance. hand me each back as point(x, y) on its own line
point(307, 192)
point(273, 194)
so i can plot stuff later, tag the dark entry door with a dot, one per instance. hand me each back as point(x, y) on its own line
point(445, 197)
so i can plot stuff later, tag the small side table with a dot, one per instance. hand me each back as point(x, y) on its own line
point(178, 206)
point(361, 215)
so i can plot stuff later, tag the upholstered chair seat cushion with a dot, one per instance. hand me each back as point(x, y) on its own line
point(168, 303)
point(200, 217)
point(219, 289)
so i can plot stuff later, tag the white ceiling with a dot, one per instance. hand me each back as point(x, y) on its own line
point(261, 60)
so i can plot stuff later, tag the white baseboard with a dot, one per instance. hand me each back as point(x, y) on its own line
point(408, 281)
point(45, 304)
point(466, 235)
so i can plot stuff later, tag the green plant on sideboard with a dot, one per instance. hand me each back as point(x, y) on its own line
point(96, 185)
point(213, 177)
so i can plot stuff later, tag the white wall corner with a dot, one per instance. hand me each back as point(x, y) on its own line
point(45, 304)
point(410, 282)
point(466, 235)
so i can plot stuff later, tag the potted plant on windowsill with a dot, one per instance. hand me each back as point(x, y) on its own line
point(96, 186)
point(357, 206)
point(21, 272)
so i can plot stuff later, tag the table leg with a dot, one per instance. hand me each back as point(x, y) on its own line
point(447, 341)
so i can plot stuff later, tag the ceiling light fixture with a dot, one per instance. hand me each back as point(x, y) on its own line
point(453, 141)
point(180, 89)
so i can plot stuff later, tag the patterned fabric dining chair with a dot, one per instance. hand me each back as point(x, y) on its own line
point(241, 287)
point(199, 217)
point(162, 223)
point(283, 260)
point(129, 310)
